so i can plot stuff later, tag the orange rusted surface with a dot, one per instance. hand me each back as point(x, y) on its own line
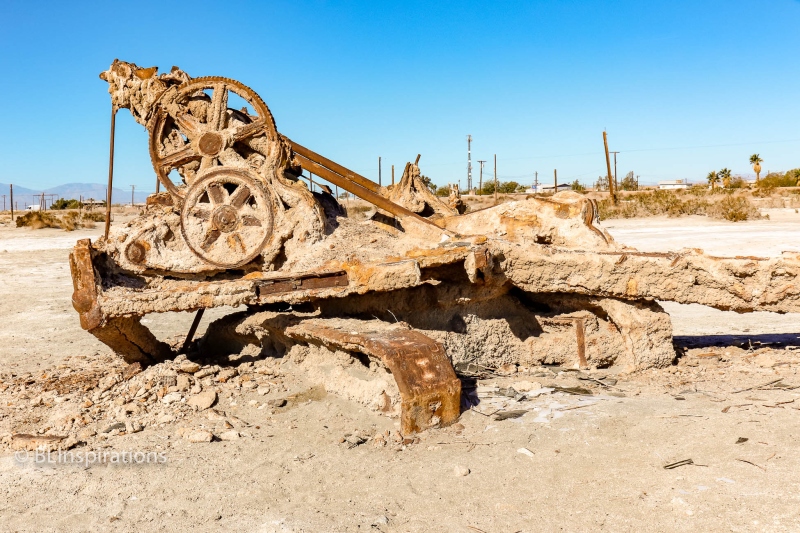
point(429, 388)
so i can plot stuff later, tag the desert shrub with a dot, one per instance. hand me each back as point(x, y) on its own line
point(734, 209)
point(70, 221)
point(95, 216)
point(443, 191)
point(652, 203)
point(737, 182)
point(61, 203)
point(37, 220)
point(775, 179)
point(576, 186)
point(763, 191)
point(507, 187)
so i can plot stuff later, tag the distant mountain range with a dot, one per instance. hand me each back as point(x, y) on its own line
point(24, 197)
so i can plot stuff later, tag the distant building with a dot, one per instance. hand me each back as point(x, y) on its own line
point(673, 184)
point(548, 187)
point(33, 208)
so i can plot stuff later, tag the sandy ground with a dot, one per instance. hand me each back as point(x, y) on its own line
point(570, 463)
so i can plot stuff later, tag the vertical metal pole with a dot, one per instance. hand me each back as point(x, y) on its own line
point(555, 181)
point(495, 178)
point(469, 162)
point(392, 174)
point(133, 188)
point(110, 170)
point(616, 183)
point(11, 193)
point(536, 182)
point(608, 166)
point(192, 329)
point(480, 179)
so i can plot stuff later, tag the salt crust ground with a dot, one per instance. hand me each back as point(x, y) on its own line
point(595, 462)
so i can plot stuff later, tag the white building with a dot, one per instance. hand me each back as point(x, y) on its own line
point(673, 184)
point(33, 208)
point(549, 187)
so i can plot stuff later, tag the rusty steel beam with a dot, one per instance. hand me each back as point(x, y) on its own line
point(304, 282)
point(430, 391)
point(336, 167)
point(360, 191)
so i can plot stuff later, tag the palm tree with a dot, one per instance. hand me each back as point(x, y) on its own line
point(725, 176)
point(712, 178)
point(756, 160)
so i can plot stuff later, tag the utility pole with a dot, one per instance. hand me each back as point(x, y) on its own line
point(555, 181)
point(637, 182)
point(133, 188)
point(379, 171)
point(392, 174)
point(536, 182)
point(495, 178)
point(469, 162)
point(608, 166)
point(11, 193)
point(480, 180)
point(616, 183)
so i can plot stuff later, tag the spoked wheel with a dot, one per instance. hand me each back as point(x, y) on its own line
point(226, 217)
point(196, 126)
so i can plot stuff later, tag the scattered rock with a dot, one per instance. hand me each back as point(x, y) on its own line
point(204, 400)
point(199, 435)
point(171, 397)
point(352, 440)
point(507, 369)
point(24, 441)
point(131, 370)
point(526, 386)
point(132, 426)
point(461, 471)
point(226, 374)
point(189, 367)
point(205, 372)
point(229, 435)
point(183, 382)
point(279, 402)
point(86, 433)
point(263, 391)
point(119, 426)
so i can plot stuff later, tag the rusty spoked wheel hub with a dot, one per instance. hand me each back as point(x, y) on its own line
point(226, 217)
point(196, 125)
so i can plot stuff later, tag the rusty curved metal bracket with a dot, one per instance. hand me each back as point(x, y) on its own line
point(430, 391)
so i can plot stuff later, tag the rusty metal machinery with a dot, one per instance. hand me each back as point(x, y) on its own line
point(417, 288)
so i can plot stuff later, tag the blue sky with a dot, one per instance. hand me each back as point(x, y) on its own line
point(682, 87)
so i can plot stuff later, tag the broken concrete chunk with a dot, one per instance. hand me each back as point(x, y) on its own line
point(204, 400)
point(199, 435)
point(189, 367)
